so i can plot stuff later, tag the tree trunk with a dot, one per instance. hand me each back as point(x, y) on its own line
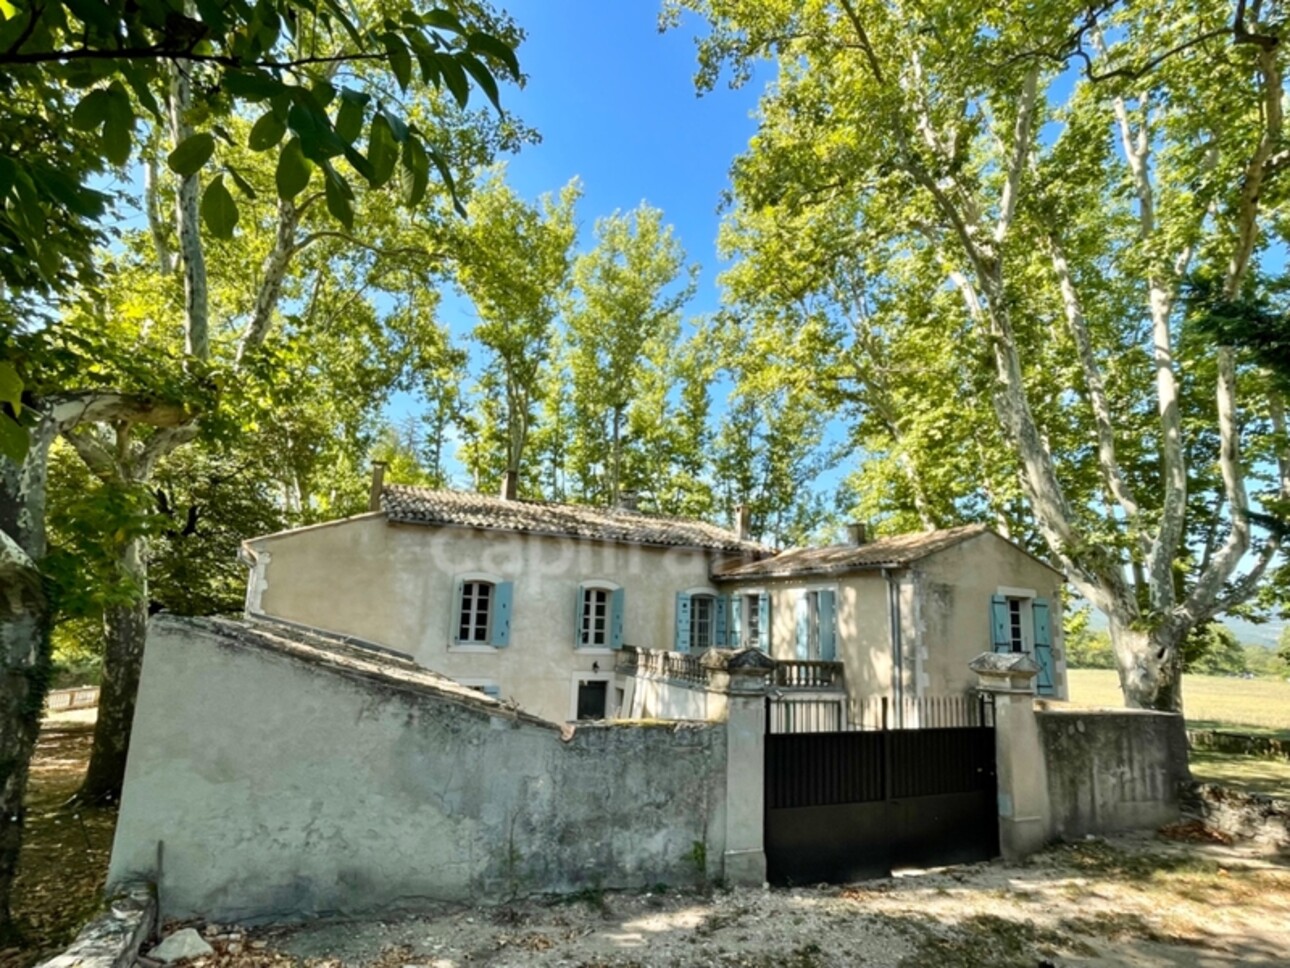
point(1149, 664)
point(124, 631)
point(24, 646)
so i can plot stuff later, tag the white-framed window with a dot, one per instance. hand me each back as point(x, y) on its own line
point(1021, 622)
point(750, 619)
point(482, 612)
point(599, 621)
point(701, 619)
point(815, 624)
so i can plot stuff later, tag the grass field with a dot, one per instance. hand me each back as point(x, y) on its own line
point(1245, 705)
point(1260, 706)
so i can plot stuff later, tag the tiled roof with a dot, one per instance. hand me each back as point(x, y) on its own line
point(420, 505)
point(893, 552)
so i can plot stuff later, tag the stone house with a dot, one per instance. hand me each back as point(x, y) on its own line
point(532, 601)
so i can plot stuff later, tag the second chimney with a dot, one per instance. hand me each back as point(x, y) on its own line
point(743, 522)
point(510, 486)
point(857, 533)
point(378, 485)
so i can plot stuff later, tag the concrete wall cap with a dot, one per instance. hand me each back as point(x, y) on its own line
point(749, 662)
point(1003, 664)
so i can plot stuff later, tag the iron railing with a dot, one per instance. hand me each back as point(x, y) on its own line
point(798, 714)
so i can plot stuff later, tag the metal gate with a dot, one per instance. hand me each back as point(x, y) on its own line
point(850, 804)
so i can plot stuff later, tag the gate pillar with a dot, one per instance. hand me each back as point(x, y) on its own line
point(749, 673)
point(1024, 809)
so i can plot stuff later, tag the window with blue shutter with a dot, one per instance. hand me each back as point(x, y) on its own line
point(616, 619)
point(1046, 681)
point(736, 621)
point(500, 621)
point(802, 627)
point(826, 624)
point(720, 617)
point(479, 619)
point(763, 622)
point(1000, 624)
point(682, 636)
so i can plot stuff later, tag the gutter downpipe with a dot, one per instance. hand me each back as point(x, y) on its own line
point(897, 649)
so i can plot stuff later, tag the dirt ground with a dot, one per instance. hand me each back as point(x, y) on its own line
point(1135, 901)
point(1143, 901)
point(64, 852)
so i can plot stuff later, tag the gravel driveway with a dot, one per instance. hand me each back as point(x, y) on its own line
point(1139, 901)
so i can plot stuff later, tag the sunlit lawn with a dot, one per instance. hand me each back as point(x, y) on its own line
point(1258, 706)
point(1209, 702)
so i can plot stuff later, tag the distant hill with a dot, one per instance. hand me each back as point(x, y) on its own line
point(1267, 635)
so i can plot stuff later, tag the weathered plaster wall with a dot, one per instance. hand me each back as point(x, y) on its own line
point(284, 786)
point(955, 586)
point(1112, 770)
point(649, 698)
point(396, 584)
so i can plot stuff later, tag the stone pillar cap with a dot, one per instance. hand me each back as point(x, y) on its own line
point(1004, 664)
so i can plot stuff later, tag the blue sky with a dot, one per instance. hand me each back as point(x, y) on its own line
point(615, 103)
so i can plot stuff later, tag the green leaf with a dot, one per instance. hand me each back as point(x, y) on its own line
point(10, 386)
point(400, 59)
point(340, 199)
point(382, 150)
point(91, 111)
point(483, 77)
point(445, 172)
point(414, 174)
point(360, 164)
point(349, 117)
point(192, 153)
point(118, 125)
point(482, 43)
point(292, 176)
point(251, 84)
point(455, 78)
point(267, 131)
point(14, 440)
point(242, 184)
point(443, 20)
point(219, 210)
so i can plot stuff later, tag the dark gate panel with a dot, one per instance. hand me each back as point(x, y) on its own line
point(845, 806)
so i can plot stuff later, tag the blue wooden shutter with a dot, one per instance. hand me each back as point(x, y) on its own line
point(999, 624)
point(827, 617)
point(682, 622)
point(763, 622)
point(736, 620)
point(456, 610)
point(1046, 682)
point(500, 632)
point(719, 621)
point(616, 618)
point(578, 605)
point(802, 639)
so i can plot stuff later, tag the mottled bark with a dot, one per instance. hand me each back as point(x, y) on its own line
point(24, 646)
point(124, 633)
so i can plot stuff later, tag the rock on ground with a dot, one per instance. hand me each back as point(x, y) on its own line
point(180, 945)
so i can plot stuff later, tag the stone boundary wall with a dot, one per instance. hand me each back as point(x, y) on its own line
point(113, 939)
point(288, 777)
point(1248, 744)
point(1243, 816)
point(1111, 770)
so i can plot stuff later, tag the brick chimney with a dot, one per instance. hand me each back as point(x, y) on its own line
point(378, 485)
point(743, 522)
point(857, 533)
point(510, 486)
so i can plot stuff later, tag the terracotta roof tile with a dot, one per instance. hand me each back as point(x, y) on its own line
point(895, 552)
point(420, 505)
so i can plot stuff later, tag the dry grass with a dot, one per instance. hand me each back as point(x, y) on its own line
point(1250, 705)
